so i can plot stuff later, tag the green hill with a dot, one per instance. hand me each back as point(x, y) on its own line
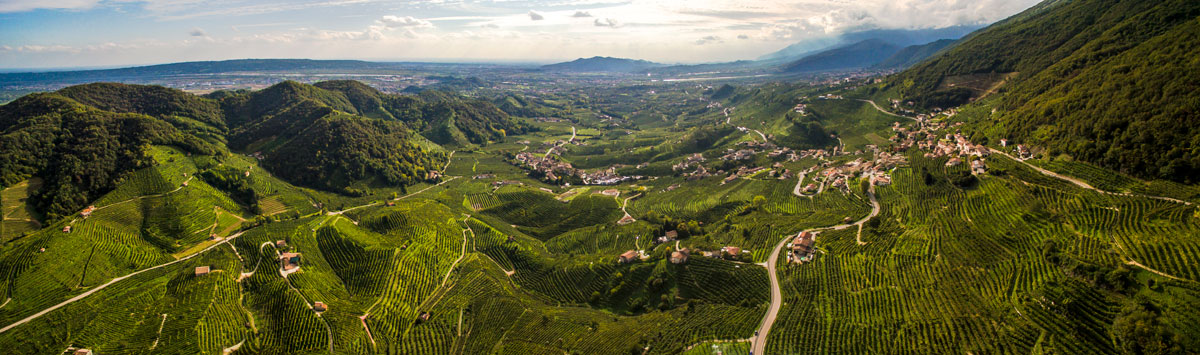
point(1104, 81)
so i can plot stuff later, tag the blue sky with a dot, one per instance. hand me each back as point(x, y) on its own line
point(84, 33)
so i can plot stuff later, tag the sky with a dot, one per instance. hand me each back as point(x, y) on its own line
point(106, 33)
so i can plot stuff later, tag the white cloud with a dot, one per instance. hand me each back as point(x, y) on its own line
point(27, 5)
point(742, 36)
point(534, 15)
point(578, 14)
point(709, 39)
point(406, 21)
point(607, 22)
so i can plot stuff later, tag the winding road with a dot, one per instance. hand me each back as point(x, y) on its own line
point(759, 342)
point(880, 109)
point(1085, 185)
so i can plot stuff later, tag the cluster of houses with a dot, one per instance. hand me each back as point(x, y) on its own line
point(875, 169)
point(801, 109)
point(956, 146)
point(552, 169)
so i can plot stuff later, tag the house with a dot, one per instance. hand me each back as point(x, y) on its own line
point(672, 235)
point(883, 181)
point(67, 229)
point(280, 244)
point(202, 270)
point(247, 174)
point(680, 256)
point(433, 174)
point(289, 261)
point(731, 251)
point(802, 247)
point(626, 220)
point(184, 183)
point(424, 316)
point(953, 162)
point(628, 257)
point(1003, 142)
point(319, 306)
point(87, 212)
point(83, 352)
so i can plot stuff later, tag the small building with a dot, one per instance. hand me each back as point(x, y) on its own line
point(247, 174)
point(67, 229)
point(289, 261)
point(680, 256)
point(626, 220)
point(202, 270)
point(185, 183)
point(731, 251)
point(320, 306)
point(280, 244)
point(87, 212)
point(953, 162)
point(390, 203)
point(423, 317)
point(628, 257)
point(433, 174)
point(672, 235)
point(883, 181)
point(83, 352)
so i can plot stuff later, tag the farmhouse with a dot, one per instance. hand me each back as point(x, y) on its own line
point(319, 306)
point(680, 257)
point(628, 257)
point(289, 261)
point(67, 229)
point(423, 317)
point(802, 247)
point(83, 352)
point(280, 244)
point(626, 220)
point(731, 251)
point(202, 270)
point(87, 212)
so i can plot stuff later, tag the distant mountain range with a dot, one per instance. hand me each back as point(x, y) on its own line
point(603, 64)
point(899, 37)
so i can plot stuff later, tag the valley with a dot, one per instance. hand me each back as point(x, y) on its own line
point(887, 194)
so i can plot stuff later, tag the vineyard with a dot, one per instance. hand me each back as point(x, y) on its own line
point(1011, 266)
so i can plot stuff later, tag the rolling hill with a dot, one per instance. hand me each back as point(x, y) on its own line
point(911, 55)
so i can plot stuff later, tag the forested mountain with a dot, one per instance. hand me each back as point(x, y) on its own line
point(333, 135)
point(79, 152)
point(1105, 81)
point(911, 55)
point(900, 37)
point(858, 55)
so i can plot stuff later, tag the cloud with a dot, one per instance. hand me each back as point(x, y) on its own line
point(743, 37)
point(607, 22)
point(197, 32)
point(534, 15)
point(708, 39)
point(404, 22)
point(582, 14)
point(28, 5)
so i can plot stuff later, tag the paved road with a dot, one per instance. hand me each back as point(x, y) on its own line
point(880, 109)
point(1082, 184)
point(759, 342)
point(110, 282)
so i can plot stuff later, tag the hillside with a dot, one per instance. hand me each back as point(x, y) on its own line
point(911, 55)
point(858, 55)
point(1054, 62)
point(602, 64)
point(78, 152)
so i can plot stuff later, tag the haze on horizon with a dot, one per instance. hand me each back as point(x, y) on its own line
point(90, 33)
